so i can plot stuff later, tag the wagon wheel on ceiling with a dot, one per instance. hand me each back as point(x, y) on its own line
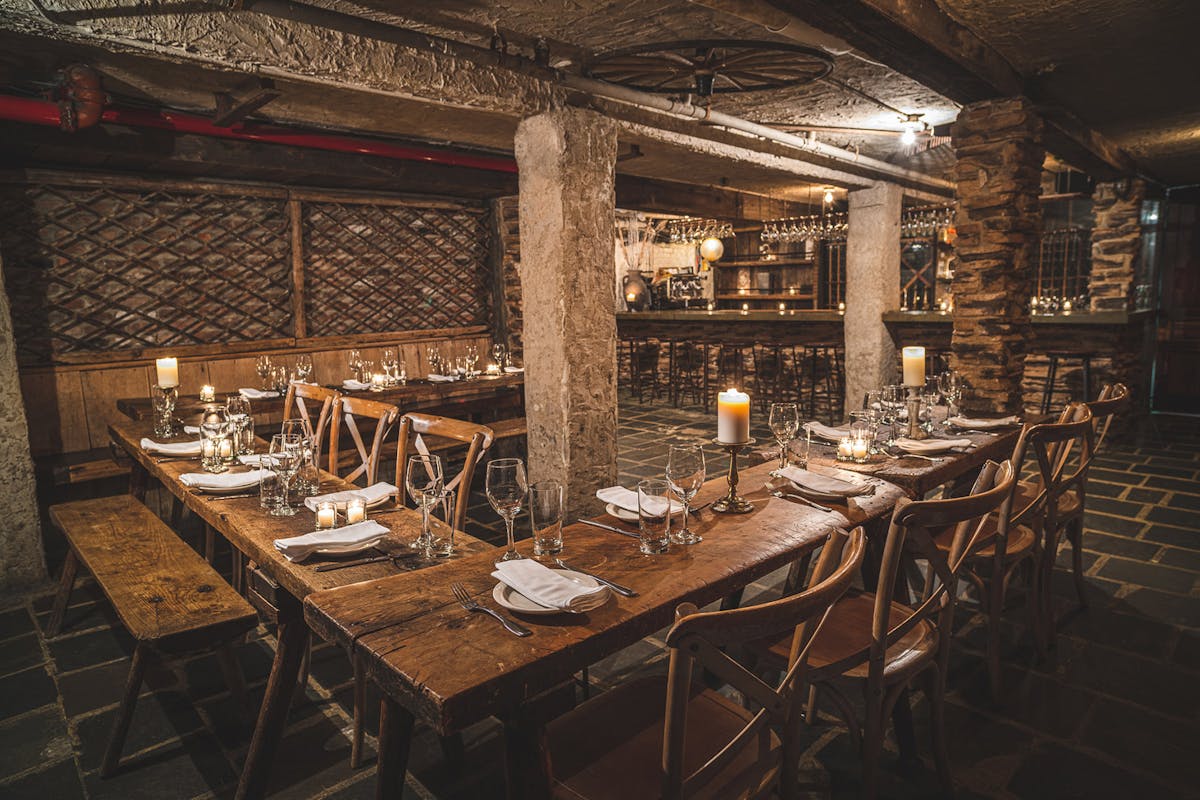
point(707, 67)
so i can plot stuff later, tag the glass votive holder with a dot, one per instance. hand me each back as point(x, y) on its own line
point(378, 382)
point(207, 394)
point(326, 515)
point(845, 451)
point(356, 510)
point(215, 448)
point(860, 450)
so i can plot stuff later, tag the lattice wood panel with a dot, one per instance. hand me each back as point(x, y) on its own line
point(374, 268)
point(95, 269)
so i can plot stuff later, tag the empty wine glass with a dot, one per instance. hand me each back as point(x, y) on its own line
point(685, 476)
point(891, 398)
point(499, 353)
point(353, 361)
point(950, 384)
point(263, 367)
point(387, 362)
point(279, 378)
point(304, 367)
point(506, 487)
point(423, 478)
point(784, 420)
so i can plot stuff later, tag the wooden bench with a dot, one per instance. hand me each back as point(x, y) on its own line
point(169, 598)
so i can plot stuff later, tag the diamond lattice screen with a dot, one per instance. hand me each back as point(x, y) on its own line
point(96, 269)
point(372, 268)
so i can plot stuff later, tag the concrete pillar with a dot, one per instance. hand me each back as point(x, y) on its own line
point(567, 164)
point(998, 144)
point(22, 564)
point(872, 287)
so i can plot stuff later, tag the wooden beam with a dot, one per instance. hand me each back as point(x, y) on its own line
point(232, 109)
point(296, 224)
point(668, 197)
point(1083, 148)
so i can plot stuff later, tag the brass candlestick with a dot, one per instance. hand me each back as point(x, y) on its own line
point(915, 431)
point(732, 502)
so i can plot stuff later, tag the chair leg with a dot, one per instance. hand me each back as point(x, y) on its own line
point(994, 611)
point(360, 700)
point(210, 544)
point(872, 746)
point(116, 741)
point(1075, 535)
point(935, 689)
point(63, 598)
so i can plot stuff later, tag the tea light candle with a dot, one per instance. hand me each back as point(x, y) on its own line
point(914, 366)
point(733, 416)
point(167, 370)
point(356, 510)
point(326, 515)
point(208, 448)
point(225, 449)
point(782, 307)
point(858, 449)
point(377, 382)
point(841, 308)
point(207, 394)
point(845, 448)
point(493, 369)
point(630, 297)
point(710, 307)
point(745, 308)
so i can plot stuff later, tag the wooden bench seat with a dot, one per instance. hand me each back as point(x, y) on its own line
point(169, 598)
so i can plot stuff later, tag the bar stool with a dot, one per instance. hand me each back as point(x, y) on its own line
point(689, 372)
point(1084, 361)
point(731, 364)
point(823, 362)
point(774, 377)
point(643, 368)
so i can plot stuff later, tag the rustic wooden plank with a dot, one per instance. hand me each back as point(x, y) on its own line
point(57, 413)
point(125, 357)
point(111, 383)
point(296, 223)
point(120, 180)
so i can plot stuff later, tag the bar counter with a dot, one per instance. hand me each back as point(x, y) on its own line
point(788, 327)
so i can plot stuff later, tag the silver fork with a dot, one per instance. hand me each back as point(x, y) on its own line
point(464, 600)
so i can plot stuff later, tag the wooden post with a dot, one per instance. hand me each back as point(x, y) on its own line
point(296, 221)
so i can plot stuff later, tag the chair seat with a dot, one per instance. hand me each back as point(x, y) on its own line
point(848, 631)
point(1021, 539)
point(611, 746)
point(1068, 502)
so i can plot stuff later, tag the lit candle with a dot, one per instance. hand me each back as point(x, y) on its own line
point(733, 416)
point(207, 394)
point(356, 510)
point(225, 450)
point(629, 298)
point(326, 515)
point(859, 449)
point(782, 307)
point(493, 369)
point(841, 308)
point(710, 307)
point(208, 448)
point(914, 366)
point(1066, 305)
point(377, 382)
point(845, 448)
point(745, 308)
point(168, 372)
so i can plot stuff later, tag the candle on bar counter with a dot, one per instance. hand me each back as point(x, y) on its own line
point(914, 366)
point(733, 417)
point(629, 298)
point(356, 510)
point(207, 394)
point(326, 515)
point(167, 372)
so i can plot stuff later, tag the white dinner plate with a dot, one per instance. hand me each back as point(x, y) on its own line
point(220, 490)
point(513, 600)
point(620, 513)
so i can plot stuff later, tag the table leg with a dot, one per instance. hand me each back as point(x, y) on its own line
point(272, 717)
point(395, 739)
point(138, 478)
point(528, 758)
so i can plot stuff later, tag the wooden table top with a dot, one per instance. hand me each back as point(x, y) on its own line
point(415, 395)
point(252, 530)
point(453, 668)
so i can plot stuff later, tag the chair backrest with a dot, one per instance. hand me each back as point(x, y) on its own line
point(697, 638)
point(302, 400)
point(1063, 452)
point(477, 438)
point(385, 416)
point(1113, 400)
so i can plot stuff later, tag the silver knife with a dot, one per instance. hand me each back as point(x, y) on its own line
point(624, 591)
point(610, 528)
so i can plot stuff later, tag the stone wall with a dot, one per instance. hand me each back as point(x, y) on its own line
point(512, 324)
point(1116, 242)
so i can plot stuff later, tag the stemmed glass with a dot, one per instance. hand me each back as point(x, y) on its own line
point(499, 353)
point(929, 399)
point(387, 362)
point(425, 486)
point(472, 361)
point(891, 399)
point(285, 456)
point(304, 367)
point(353, 361)
point(784, 420)
point(685, 476)
point(506, 488)
point(264, 368)
point(950, 384)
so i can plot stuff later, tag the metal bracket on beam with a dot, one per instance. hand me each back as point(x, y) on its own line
point(233, 108)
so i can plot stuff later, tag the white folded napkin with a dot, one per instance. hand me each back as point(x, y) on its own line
point(355, 386)
point(827, 433)
point(627, 499)
point(372, 494)
point(257, 394)
point(514, 369)
point(432, 378)
point(548, 587)
point(172, 449)
point(806, 480)
point(974, 423)
point(192, 429)
point(252, 460)
point(931, 446)
point(226, 480)
point(359, 535)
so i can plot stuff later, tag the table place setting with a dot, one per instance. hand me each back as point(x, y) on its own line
point(352, 385)
point(372, 496)
point(979, 424)
point(622, 503)
point(336, 541)
point(177, 450)
point(258, 394)
point(527, 587)
point(226, 483)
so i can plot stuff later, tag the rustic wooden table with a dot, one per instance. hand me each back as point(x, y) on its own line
point(277, 586)
point(450, 668)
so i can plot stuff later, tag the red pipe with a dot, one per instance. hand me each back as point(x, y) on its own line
point(40, 112)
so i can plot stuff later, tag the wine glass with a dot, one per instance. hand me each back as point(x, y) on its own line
point(423, 477)
point(498, 354)
point(784, 420)
point(891, 399)
point(285, 456)
point(263, 367)
point(685, 476)
point(950, 384)
point(387, 362)
point(304, 367)
point(353, 361)
point(506, 488)
point(279, 378)
point(472, 360)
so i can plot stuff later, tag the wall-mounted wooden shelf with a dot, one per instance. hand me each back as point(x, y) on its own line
point(779, 262)
point(759, 296)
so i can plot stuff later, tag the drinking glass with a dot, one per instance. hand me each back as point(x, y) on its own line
point(308, 474)
point(423, 477)
point(304, 367)
point(366, 368)
point(263, 367)
point(285, 453)
point(279, 378)
point(506, 489)
point(441, 531)
point(929, 401)
point(237, 414)
point(784, 420)
point(950, 384)
point(498, 352)
point(352, 361)
point(270, 490)
point(654, 516)
point(460, 367)
point(387, 363)
point(214, 445)
point(891, 398)
point(472, 360)
point(546, 516)
point(685, 475)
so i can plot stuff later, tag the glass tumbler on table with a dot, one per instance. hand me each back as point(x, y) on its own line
point(237, 414)
point(441, 531)
point(285, 454)
point(270, 490)
point(304, 367)
point(423, 478)
point(263, 367)
point(546, 517)
point(654, 516)
point(506, 488)
point(784, 420)
point(891, 398)
point(685, 476)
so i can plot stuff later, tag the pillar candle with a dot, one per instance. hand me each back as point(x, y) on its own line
point(914, 366)
point(733, 416)
point(225, 450)
point(168, 372)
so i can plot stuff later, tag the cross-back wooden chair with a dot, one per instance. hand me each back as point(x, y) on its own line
point(880, 645)
point(478, 438)
point(353, 408)
point(1113, 400)
point(314, 406)
point(668, 737)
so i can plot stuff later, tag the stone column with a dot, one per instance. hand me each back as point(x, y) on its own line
point(1116, 243)
point(872, 287)
point(22, 563)
point(567, 163)
point(998, 143)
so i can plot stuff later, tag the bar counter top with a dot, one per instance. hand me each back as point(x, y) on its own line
point(732, 315)
point(1069, 318)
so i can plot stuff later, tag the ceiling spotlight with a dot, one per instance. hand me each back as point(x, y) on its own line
point(911, 125)
point(828, 196)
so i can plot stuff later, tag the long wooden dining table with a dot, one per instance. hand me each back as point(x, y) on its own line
point(275, 585)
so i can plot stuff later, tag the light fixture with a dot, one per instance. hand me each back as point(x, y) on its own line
point(912, 125)
point(711, 249)
point(828, 199)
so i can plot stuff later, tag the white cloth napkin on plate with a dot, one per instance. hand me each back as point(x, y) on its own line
point(372, 494)
point(355, 386)
point(627, 499)
point(514, 369)
point(974, 423)
point(827, 433)
point(257, 394)
point(930, 446)
point(548, 587)
point(194, 430)
point(226, 480)
point(805, 480)
point(252, 460)
point(359, 535)
point(432, 378)
point(172, 449)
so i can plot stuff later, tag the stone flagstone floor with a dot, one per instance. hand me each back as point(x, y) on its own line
point(1114, 711)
